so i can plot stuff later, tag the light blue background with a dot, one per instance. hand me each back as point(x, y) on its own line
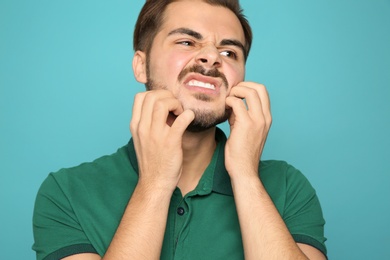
point(66, 91)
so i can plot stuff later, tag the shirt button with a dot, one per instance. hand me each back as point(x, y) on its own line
point(180, 211)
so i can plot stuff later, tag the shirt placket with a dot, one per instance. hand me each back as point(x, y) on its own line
point(182, 217)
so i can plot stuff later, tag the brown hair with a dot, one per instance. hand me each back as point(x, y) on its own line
point(151, 18)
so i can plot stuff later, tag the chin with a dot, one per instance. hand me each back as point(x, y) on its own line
point(205, 120)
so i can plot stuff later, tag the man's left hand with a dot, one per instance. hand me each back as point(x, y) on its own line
point(249, 126)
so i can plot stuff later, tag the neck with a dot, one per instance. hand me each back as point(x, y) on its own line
point(198, 149)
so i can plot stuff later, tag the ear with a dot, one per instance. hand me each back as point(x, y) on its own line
point(139, 66)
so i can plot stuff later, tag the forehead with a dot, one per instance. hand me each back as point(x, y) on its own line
point(209, 20)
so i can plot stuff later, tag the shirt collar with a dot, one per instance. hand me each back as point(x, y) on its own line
point(221, 180)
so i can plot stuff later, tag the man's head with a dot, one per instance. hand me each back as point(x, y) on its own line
point(194, 48)
point(151, 17)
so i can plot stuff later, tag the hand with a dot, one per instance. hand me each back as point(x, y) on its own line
point(249, 126)
point(158, 142)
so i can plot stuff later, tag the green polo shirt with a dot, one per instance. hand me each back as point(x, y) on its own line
point(78, 210)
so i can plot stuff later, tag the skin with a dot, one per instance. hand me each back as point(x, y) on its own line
point(169, 156)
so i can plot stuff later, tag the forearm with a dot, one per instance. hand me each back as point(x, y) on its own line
point(264, 233)
point(141, 231)
point(159, 151)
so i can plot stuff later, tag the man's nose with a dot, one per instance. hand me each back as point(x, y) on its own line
point(209, 57)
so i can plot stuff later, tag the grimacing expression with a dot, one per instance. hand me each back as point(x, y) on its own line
point(203, 120)
point(199, 57)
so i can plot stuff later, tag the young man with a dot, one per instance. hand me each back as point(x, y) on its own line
point(180, 189)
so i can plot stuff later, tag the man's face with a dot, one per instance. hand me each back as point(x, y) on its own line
point(198, 56)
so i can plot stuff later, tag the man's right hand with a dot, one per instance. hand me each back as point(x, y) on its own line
point(158, 142)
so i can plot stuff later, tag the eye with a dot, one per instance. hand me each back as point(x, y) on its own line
point(185, 43)
point(230, 54)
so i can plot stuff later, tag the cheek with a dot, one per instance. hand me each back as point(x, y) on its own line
point(168, 66)
point(177, 62)
point(235, 74)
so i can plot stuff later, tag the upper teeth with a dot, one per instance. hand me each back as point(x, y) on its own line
point(201, 84)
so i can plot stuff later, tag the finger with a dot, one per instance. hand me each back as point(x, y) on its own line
point(251, 96)
point(263, 96)
point(136, 113)
point(163, 107)
point(232, 117)
point(239, 110)
point(262, 92)
point(266, 103)
point(182, 122)
point(148, 105)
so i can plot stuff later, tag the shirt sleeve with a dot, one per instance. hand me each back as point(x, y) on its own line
point(57, 232)
point(303, 214)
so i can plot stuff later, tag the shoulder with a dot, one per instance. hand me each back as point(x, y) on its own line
point(284, 183)
point(72, 202)
point(109, 167)
point(296, 200)
point(280, 172)
point(98, 180)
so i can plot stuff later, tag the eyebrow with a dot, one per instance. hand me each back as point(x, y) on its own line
point(198, 36)
point(187, 31)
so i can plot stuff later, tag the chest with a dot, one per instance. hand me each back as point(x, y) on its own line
point(202, 228)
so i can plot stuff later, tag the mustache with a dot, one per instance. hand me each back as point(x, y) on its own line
point(201, 70)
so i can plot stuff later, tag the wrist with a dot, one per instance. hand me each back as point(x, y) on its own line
point(154, 190)
point(246, 182)
point(240, 173)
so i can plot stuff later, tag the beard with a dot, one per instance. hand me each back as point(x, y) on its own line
point(203, 120)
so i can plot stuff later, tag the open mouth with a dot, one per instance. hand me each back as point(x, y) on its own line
point(200, 84)
point(204, 84)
